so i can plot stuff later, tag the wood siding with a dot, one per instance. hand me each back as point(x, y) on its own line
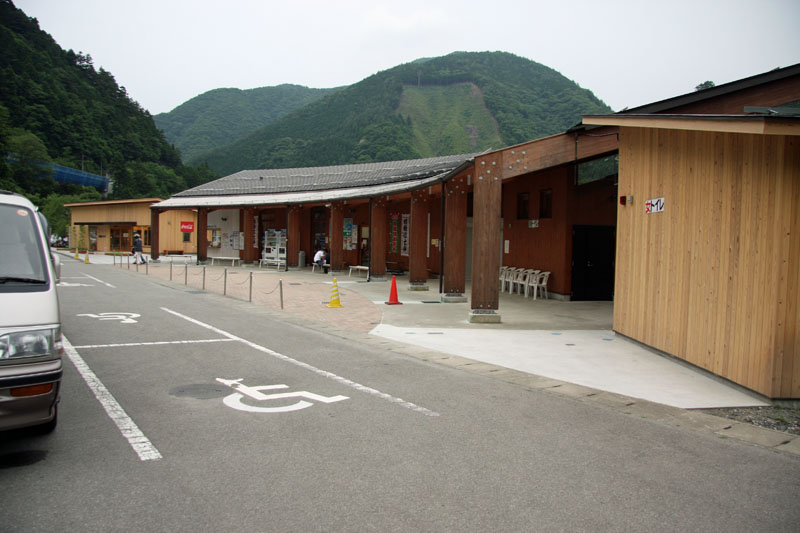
point(714, 279)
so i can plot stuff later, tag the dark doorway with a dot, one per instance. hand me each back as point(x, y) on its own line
point(593, 249)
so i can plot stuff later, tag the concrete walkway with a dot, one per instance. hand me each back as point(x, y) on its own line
point(572, 342)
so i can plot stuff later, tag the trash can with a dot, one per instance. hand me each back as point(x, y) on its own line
point(301, 259)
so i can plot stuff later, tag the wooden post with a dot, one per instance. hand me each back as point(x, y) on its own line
point(250, 252)
point(418, 240)
point(202, 237)
point(487, 197)
point(337, 236)
point(378, 239)
point(293, 235)
point(154, 216)
point(455, 240)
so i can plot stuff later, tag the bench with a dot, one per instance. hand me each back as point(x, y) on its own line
point(359, 268)
point(233, 260)
point(183, 258)
point(277, 262)
point(315, 265)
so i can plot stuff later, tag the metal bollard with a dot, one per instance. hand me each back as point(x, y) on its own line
point(186, 275)
point(170, 270)
point(204, 277)
point(129, 261)
point(251, 288)
point(280, 285)
point(225, 283)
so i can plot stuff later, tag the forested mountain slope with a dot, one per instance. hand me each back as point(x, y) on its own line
point(221, 116)
point(462, 102)
point(55, 107)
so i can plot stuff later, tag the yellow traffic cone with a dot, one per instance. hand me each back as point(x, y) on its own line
point(87, 257)
point(335, 295)
point(76, 253)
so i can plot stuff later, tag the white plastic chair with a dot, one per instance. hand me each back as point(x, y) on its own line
point(520, 280)
point(509, 277)
point(531, 283)
point(503, 274)
point(541, 285)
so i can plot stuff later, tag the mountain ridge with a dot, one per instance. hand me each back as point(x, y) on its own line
point(372, 121)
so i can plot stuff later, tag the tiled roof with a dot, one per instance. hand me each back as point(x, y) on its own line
point(269, 181)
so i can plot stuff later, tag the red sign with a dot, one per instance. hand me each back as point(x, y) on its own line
point(187, 227)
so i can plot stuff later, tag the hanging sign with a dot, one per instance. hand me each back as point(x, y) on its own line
point(187, 227)
point(404, 234)
point(395, 233)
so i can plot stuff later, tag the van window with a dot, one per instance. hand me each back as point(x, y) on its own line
point(22, 262)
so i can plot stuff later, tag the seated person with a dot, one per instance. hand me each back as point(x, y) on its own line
point(321, 258)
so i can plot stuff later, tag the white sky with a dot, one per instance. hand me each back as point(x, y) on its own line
point(628, 52)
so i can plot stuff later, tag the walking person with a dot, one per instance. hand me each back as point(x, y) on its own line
point(137, 249)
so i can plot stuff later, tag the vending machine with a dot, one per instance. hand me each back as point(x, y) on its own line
point(274, 244)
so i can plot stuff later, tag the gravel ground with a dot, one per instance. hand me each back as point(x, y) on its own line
point(785, 419)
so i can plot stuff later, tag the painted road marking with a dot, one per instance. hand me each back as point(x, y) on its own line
point(140, 444)
point(235, 400)
point(318, 371)
point(153, 343)
point(124, 318)
point(100, 281)
point(67, 284)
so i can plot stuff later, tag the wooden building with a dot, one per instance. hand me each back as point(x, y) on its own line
point(108, 226)
point(451, 219)
point(708, 249)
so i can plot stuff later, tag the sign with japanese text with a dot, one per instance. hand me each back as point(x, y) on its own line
point(656, 205)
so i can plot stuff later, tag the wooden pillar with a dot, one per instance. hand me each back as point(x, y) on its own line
point(455, 240)
point(293, 236)
point(202, 234)
point(154, 216)
point(378, 239)
point(249, 225)
point(487, 197)
point(418, 240)
point(337, 236)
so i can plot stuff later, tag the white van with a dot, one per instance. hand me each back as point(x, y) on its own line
point(30, 323)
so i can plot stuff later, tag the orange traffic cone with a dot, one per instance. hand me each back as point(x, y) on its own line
point(393, 294)
point(335, 295)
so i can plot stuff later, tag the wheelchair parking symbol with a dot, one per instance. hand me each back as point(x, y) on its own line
point(235, 400)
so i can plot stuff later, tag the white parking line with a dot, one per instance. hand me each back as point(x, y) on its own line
point(318, 371)
point(140, 444)
point(100, 281)
point(153, 343)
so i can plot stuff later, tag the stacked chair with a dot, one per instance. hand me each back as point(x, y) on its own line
point(524, 281)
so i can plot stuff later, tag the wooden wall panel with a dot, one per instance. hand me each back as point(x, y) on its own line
point(170, 236)
point(712, 279)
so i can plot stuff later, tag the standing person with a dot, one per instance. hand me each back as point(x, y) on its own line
point(137, 249)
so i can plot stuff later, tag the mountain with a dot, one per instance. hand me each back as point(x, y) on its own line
point(56, 107)
point(221, 116)
point(462, 102)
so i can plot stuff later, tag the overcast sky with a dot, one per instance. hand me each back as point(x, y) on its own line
point(628, 53)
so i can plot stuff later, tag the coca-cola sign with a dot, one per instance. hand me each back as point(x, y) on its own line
point(187, 227)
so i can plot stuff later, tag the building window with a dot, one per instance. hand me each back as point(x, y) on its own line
point(523, 201)
point(546, 203)
point(187, 237)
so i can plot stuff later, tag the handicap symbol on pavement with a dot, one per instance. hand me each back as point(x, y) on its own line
point(254, 393)
point(124, 318)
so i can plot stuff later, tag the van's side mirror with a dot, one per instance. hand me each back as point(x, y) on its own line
point(56, 265)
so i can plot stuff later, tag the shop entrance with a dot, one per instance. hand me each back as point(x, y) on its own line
point(593, 249)
point(121, 239)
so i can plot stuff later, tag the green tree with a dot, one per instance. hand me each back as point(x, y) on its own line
point(705, 85)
